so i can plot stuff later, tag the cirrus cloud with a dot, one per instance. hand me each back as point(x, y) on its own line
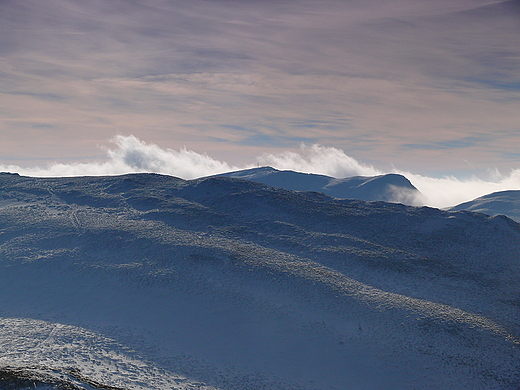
point(424, 84)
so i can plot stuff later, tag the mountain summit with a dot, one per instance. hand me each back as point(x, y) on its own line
point(388, 188)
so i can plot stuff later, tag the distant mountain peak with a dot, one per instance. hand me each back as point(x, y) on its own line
point(253, 172)
point(390, 187)
point(497, 203)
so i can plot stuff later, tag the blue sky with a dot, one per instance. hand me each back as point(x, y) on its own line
point(431, 87)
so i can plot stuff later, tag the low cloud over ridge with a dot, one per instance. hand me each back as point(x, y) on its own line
point(319, 159)
point(133, 155)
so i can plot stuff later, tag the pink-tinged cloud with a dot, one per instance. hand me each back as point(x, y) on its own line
point(387, 81)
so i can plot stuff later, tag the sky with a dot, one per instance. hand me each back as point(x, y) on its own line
point(339, 87)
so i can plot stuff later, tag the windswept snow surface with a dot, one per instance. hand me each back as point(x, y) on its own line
point(388, 188)
point(151, 282)
point(497, 203)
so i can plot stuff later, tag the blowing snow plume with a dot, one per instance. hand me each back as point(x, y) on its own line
point(133, 155)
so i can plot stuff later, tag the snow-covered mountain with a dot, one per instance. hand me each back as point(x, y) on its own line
point(497, 203)
point(146, 281)
point(388, 188)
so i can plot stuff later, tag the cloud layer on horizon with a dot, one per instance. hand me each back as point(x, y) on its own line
point(426, 85)
point(132, 155)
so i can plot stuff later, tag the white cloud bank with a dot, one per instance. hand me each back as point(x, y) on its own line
point(450, 191)
point(319, 159)
point(134, 155)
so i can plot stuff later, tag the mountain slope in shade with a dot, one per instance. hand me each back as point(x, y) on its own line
point(497, 203)
point(388, 188)
point(152, 282)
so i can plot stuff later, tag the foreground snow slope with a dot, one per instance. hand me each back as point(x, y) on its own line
point(148, 281)
point(496, 203)
point(389, 188)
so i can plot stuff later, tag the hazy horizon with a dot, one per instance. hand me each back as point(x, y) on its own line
point(413, 85)
point(132, 155)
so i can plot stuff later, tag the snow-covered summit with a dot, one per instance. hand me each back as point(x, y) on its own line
point(152, 282)
point(389, 188)
point(497, 203)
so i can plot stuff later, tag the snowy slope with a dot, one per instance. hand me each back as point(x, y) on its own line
point(152, 282)
point(389, 188)
point(497, 203)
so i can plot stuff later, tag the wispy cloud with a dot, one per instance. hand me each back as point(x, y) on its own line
point(130, 154)
point(367, 77)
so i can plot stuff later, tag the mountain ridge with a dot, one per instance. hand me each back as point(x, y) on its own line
point(228, 284)
point(496, 203)
point(388, 187)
